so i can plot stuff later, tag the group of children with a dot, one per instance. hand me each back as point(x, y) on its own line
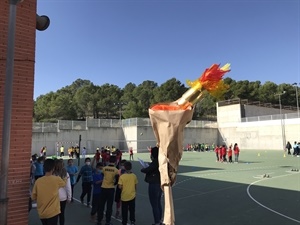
point(199, 147)
point(109, 183)
point(222, 152)
point(105, 183)
point(106, 153)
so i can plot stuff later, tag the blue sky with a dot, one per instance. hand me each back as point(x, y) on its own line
point(122, 41)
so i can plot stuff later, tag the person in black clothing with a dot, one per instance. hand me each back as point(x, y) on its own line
point(288, 147)
point(154, 190)
point(111, 177)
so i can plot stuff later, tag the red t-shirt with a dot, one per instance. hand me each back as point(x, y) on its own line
point(229, 152)
point(236, 150)
point(98, 156)
point(217, 150)
point(223, 151)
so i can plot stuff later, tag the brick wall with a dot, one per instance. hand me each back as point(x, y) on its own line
point(22, 105)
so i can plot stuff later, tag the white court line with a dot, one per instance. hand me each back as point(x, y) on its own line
point(208, 192)
point(202, 175)
point(278, 213)
point(77, 200)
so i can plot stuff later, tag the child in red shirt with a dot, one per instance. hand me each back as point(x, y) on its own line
point(223, 153)
point(236, 151)
point(217, 151)
point(97, 155)
point(130, 154)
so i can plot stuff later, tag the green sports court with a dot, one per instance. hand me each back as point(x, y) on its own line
point(262, 189)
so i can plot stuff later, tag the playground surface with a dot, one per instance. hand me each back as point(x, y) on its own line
point(262, 189)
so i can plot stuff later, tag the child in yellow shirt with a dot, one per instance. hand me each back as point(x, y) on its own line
point(127, 183)
point(45, 192)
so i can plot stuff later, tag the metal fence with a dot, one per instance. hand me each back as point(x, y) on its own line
point(271, 117)
point(96, 123)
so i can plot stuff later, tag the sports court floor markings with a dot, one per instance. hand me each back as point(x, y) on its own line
point(262, 205)
point(261, 176)
point(219, 172)
point(208, 192)
point(77, 200)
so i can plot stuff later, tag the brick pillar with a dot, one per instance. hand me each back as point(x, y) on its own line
point(22, 105)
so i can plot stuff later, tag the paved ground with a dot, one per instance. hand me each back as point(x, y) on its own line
point(212, 193)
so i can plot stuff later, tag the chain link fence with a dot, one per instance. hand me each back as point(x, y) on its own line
point(95, 123)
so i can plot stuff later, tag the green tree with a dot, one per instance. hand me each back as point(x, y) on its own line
point(169, 91)
point(86, 101)
point(144, 97)
point(267, 92)
point(82, 98)
point(129, 101)
point(108, 96)
point(42, 108)
point(63, 107)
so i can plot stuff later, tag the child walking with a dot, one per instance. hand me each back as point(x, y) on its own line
point(118, 190)
point(127, 183)
point(65, 193)
point(110, 179)
point(72, 171)
point(86, 172)
point(45, 192)
point(97, 182)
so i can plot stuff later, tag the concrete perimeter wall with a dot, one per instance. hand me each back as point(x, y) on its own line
point(268, 134)
point(261, 133)
point(137, 137)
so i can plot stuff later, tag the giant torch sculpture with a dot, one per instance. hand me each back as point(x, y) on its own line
point(168, 121)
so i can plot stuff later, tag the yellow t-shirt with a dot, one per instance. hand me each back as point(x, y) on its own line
point(128, 182)
point(109, 173)
point(45, 192)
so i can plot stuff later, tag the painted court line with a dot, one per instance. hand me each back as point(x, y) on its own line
point(257, 202)
point(209, 192)
point(201, 175)
point(77, 200)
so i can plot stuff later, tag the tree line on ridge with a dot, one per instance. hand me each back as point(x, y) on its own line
point(83, 99)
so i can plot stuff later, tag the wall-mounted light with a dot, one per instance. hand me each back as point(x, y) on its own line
point(42, 22)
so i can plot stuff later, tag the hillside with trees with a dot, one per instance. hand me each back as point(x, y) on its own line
point(83, 99)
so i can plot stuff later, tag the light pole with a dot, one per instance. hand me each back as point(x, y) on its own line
point(296, 87)
point(281, 120)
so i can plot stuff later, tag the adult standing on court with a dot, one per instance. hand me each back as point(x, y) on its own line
point(236, 151)
point(154, 190)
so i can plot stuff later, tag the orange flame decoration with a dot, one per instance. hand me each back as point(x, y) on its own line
point(210, 81)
